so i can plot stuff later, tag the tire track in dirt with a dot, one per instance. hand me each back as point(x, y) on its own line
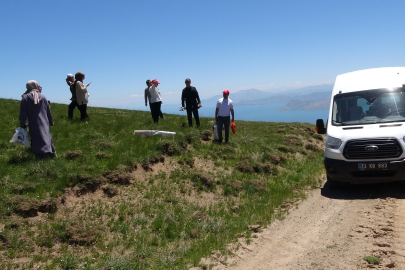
point(399, 234)
point(329, 230)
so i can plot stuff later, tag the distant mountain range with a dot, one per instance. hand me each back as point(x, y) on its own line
point(315, 97)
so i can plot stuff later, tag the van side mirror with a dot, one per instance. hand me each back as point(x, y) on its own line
point(320, 127)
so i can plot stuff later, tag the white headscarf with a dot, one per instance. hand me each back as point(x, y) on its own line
point(33, 87)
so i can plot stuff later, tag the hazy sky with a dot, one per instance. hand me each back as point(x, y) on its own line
point(219, 44)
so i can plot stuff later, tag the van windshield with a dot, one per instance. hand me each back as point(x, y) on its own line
point(369, 107)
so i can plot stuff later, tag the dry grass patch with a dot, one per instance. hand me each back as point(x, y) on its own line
point(293, 139)
point(25, 206)
point(319, 137)
point(204, 178)
point(48, 206)
point(206, 135)
point(110, 191)
point(23, 188)
point(286, 149)
point(118, 177)
point(199, 215)
point(80, 234)
point(104, 144)
point(101, 155)
point(313, 147)
point(262, 167)
point(71, 155)
point(244, 166)
point(15, 222)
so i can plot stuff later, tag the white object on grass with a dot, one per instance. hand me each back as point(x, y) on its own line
point(20, 136)
point(148, 133)
point(216, 136)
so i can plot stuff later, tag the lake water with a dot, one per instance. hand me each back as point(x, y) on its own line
point(264, 113)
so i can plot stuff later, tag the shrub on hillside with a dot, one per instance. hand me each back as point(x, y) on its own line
point(206, 135)
point(170, 148)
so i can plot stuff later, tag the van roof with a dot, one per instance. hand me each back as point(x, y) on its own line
point(374, 78)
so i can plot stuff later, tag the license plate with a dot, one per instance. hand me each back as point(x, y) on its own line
point(373, 166)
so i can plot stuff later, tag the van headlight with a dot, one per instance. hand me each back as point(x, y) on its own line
point(333, 143)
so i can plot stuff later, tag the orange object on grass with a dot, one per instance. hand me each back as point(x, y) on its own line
point(233, 127)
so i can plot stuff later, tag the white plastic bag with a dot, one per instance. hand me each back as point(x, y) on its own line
point(216, 136)
point(21, 137)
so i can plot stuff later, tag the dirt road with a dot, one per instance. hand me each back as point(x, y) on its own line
point(331, 229)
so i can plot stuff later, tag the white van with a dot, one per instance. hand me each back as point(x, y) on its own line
point(366, 127)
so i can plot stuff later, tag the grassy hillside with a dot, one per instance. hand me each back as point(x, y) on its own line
point(112, 200)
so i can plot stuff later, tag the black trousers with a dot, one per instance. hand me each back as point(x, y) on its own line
point(83, 112)
point(160, 112)
point(155, 109)
point(72, 106)
point(193, 108)
point(223, 121)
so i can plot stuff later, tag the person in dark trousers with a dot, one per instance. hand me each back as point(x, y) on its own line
point(70, 80)
point(190, 96)
point(155, 100)
point(147, 98)
point(222, 115)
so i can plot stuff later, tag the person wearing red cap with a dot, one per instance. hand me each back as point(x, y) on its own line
point(147, 98)
point(222, 115)
point(155, 100)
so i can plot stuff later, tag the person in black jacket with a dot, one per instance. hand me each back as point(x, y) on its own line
point(71, 82)
point(190, 96)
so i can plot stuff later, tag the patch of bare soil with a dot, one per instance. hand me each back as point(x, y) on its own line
point(329, 230)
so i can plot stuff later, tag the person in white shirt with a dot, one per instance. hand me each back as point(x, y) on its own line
point(147, 97)
point(155, 100)
point(222, 115)
point(82, 95)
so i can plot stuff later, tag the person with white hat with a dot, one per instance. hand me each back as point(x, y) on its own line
point(222, 115)
point(70, 80)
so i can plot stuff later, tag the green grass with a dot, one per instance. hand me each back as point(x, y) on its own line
point(164, 220)
point(372, 260)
